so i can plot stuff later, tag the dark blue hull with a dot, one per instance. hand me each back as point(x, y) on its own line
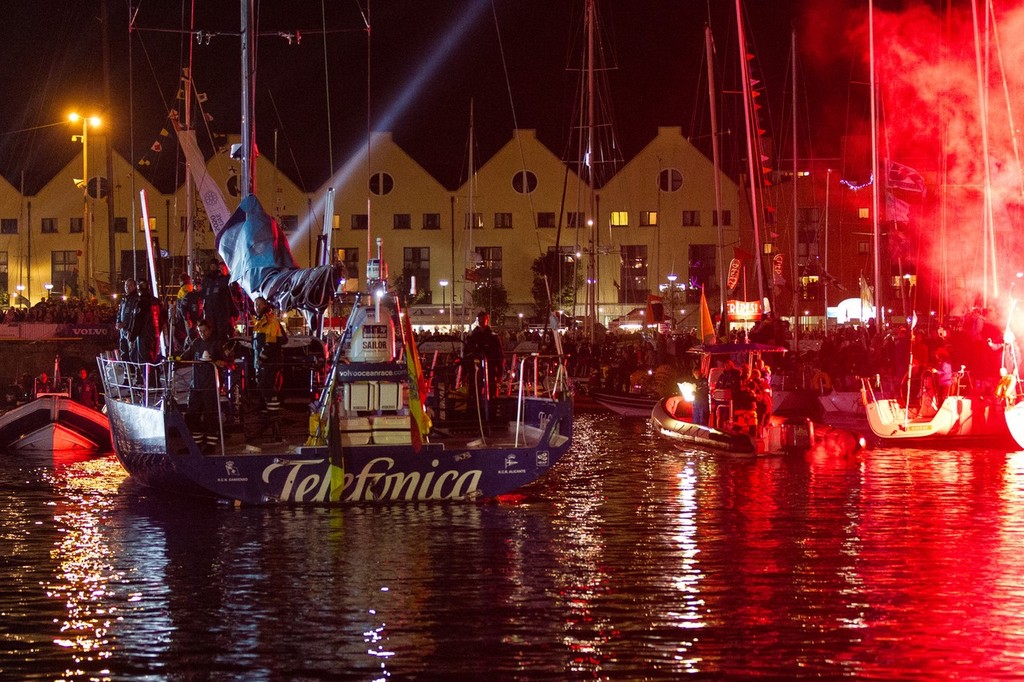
point(156, 447)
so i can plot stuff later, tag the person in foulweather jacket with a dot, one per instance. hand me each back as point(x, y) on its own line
point(218, 305)
point(208, 355)
point(268, 339)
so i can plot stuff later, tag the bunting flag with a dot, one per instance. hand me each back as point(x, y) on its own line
point(707, 326)
point(472, 275)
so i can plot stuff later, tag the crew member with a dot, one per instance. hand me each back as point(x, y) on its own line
point(202, 394)
point(483, 344)
point(268, 339)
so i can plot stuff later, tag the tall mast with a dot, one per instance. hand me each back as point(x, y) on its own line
point(248, 179)
point(190, 246)
point(879, 309)
point(716, 160)
point(751, 152)
point(796, 210)
point(593, 267)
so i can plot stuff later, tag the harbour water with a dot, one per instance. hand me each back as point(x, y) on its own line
point(630, 561)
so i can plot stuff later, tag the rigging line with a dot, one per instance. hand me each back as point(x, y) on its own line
point(515, 121)
point(287, 142)
point(327, 90)
point(1006, 96)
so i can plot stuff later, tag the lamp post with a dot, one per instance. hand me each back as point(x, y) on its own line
point(672, 299)
point(49, 290)
point(444, 291)
point(94, 121)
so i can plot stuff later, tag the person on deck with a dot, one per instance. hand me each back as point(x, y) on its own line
point(43, 384)
point(483, 344)
point(268, 339)
point(218, 305)
point(701, 397)
point(84, 390)
point(126, 318)
point(203, 396)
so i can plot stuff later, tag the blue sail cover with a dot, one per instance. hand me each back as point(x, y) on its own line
point(260, 260)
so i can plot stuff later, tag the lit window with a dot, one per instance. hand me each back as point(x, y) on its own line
point(619, 218)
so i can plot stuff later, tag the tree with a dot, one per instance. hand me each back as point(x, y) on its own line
point(401, 285)
point(492, 298)
point(562, 279)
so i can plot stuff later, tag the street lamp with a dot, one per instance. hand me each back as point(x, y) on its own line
point(672, 277)
point(86, 121)
point(444, 290)
point(49, 290)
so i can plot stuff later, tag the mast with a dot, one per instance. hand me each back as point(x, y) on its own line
point(593, 267)
point(248, 179)
point(796, 210)
point(716, 161)
point(875, 229)
point(988, 228)
point(190, 247)
point(751, 161)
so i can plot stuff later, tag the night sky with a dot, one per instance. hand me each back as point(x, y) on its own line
point(428, 60)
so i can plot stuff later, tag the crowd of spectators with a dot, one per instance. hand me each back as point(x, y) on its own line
point(62, 310)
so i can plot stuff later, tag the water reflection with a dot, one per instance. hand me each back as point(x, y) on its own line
point(631, 561)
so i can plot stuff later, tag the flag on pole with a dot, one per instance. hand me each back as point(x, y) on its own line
point(866, 298)
point(417, 386)
point(707, 326)
point(904, 177)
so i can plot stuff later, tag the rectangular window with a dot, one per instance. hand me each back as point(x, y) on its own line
point(619, 218)
point(9, 225)
point(64, 271)
point(360, 221)
point(648, 218)
point(808, 215)
point(4, 290)
point(350, 259)
point(431, 221)
point(700, 271)
point(503, 221)
point(336, 222)
point(152, 225)
point(183, 224)
point(474, 221)
point(489, 270)
point(633, 274)
point(76, 225)
point(545, 219)
point(575, 219)
point(416, 263)
point(289, 223)
point(862, 247)
point(726, 215)
point(49, 226)
point(864, 213)
point(402, 221)
point(691, 218)
point(121, 225)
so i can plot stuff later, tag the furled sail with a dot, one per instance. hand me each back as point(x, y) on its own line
point(258, 257)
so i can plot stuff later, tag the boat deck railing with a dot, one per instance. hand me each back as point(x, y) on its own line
point(137, 383)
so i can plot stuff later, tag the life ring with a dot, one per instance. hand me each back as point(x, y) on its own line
point(821, 382)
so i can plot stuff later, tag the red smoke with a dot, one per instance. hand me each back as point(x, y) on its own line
point(930, 119)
